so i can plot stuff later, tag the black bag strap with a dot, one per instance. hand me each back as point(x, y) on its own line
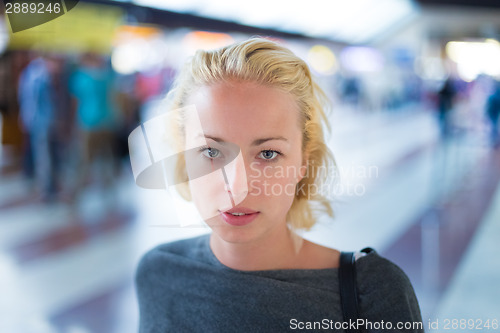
point(348, 293)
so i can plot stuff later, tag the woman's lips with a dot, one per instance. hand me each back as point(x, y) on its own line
point(241, 210)
point(239, 220)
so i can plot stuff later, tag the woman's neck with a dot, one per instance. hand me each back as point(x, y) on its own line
point(274, 251)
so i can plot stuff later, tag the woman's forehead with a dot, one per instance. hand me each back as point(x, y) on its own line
point(247, 92)
point(245, 108)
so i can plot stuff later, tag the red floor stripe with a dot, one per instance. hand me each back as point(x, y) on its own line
point(76, 232)
point(455, 221)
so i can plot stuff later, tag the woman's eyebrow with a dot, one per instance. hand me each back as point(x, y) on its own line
point(255, 142)
point(216, 139)
point(258, 142)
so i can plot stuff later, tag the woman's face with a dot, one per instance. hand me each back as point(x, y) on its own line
point(252, 159)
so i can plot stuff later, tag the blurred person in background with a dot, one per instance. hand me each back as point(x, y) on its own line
point(129, 106)
point(91, 86)
point(38, 118)
point(445, 98)
point(10, 67)
point(493, 112)
point(351, 91)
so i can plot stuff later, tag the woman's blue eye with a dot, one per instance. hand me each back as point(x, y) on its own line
point(269, 154)
point(211, 152)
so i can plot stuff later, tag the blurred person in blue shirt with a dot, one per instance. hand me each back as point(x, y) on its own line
point(493, 111)
point(37, 102)
point(91, 86)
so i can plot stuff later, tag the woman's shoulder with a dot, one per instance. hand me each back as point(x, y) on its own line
point(385, 291)
point(375, 270)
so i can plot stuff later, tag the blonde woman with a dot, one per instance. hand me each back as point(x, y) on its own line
point(262, 118)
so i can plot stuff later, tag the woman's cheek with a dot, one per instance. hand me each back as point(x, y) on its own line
point(209, 194)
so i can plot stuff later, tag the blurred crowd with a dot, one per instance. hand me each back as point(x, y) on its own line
point(68, 118)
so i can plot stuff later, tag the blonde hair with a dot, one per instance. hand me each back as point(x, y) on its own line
point(266, 62)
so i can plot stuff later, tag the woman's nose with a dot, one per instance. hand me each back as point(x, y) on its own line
point(236, 179)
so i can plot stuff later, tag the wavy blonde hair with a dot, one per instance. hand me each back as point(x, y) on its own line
point(265, 62)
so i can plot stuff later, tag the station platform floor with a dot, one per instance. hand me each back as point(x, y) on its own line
point(430, 204)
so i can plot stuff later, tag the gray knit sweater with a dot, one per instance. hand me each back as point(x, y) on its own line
point(182, 287)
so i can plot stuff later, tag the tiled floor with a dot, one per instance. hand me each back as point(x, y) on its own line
point(432, 207)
